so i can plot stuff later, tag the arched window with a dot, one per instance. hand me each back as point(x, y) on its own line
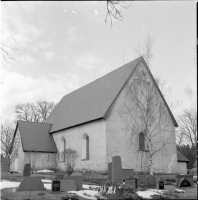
point(62, 149)
point(85, 147)
point(141, 141)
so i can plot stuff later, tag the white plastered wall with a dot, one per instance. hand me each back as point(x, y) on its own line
point(182, 167)
point(119, 142)
point(96, 131)
point(40, 160)
point(18, 163)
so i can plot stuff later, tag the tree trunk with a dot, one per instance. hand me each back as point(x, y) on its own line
point(151, 166)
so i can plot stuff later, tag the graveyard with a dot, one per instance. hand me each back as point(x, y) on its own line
point(117, 184)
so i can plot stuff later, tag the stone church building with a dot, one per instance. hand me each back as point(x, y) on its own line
point(88, 121)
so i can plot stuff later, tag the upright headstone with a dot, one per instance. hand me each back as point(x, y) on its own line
point(55, 185)
point(60, 175)
point(179, 177)
point(127, 173)
point(131, 181)
point(150, 181)
point(77, 177)
point(26, 170)
point(161, 184)
point(117, 169)
point(4, 168)
point(110, 171)
point(68, 185)
point(142, 181)
point(184, 183)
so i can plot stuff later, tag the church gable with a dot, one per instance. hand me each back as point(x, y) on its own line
point(123, 120)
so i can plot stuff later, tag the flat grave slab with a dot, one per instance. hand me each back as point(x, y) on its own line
point(31, 184)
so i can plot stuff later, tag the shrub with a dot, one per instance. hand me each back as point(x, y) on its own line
point(71, 156)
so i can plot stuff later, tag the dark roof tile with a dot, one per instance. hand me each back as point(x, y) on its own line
point(36, 137)
point(91, 101)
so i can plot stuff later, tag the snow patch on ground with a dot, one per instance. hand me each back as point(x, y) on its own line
point(147, 194)
point(8, 184)
point(90, 186)
point(44, 171)
point(91, 194)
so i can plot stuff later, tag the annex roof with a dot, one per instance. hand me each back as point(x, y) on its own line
point(35, 137)
point(94, 100)
point(181, 157)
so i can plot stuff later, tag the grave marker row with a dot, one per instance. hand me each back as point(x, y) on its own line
point(117, 174)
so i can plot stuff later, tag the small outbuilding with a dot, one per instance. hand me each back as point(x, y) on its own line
point(181, 163)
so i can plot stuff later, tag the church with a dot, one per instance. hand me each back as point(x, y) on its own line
point(89, 121)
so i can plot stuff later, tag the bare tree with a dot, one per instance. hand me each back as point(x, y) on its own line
point(192, 95)
point(6, 48)
point(146, 51)
point(180, 138)
point(71, 156)
point(32, 158)
point(34, 112)
point(146, 48)
point(113, 12)
point(188, 127)
point(54, 159)
point(187, 120)
point(7, 132)
point(146, 116)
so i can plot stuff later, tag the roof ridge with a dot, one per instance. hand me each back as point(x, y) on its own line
point(91, 101)
point(34, 122)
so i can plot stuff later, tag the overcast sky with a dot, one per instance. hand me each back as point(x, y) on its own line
point(61, 44)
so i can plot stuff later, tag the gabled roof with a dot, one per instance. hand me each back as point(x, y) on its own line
point(181, 157)
point(35, 137)
point(91, 101)
point(94, 100)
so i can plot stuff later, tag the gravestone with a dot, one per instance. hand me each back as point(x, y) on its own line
point(184, 183)
point(161, 184)
point(142, 181)
point(77, 177)
point(110, 171)
point(127, 173)
point(179, 177)
point(4, 168)
point(55, 186)
point(31, 184)
point(60, 175)
point(26, 170)
point(150, 181)
point(68, 185)
point(131, 181)
point(117, 169)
